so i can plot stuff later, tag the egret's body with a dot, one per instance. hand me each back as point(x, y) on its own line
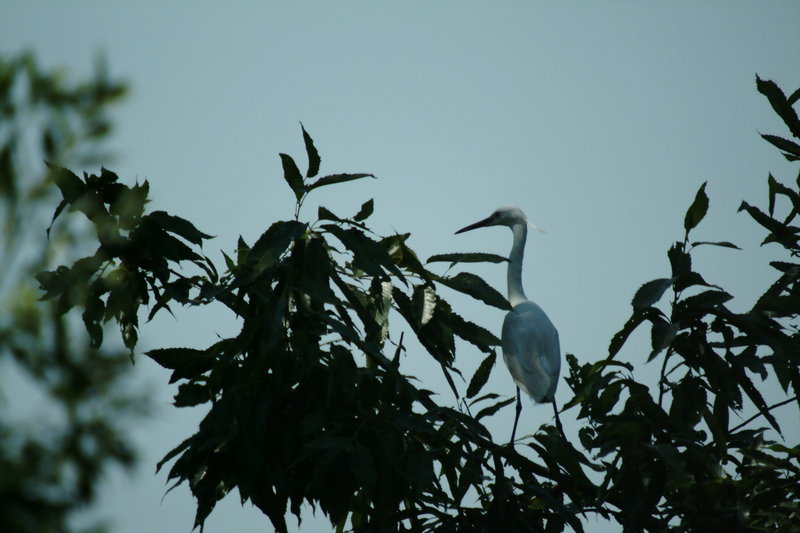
point(531, 348)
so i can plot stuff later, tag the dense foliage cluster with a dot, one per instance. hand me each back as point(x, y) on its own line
point(308, 403)
point(51, 458)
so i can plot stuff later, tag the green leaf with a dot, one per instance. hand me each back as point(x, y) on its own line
point(473, 257)
point(366, 210)
point(697, 210)
point(337, 178)
point(651, 292)
point(474, 286)
point(311, 151)
point(481, 375)
point(292, 176)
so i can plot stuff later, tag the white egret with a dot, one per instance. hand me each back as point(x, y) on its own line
point(531, 349)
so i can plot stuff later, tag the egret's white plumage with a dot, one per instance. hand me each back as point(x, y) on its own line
point(531, 349)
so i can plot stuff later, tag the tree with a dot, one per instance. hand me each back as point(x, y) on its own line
point(309, 402)
point(50, 463)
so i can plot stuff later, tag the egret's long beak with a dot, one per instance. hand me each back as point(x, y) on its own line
point(480, 224)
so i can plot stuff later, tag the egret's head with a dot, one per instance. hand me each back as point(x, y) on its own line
point(506, 215)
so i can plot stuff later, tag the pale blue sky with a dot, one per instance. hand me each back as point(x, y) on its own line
point(600, 121)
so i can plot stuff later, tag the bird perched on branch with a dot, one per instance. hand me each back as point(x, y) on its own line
point(531, 349)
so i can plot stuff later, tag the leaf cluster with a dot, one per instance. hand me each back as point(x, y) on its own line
point(676, 458)
point(309, 404)
point(53, 454)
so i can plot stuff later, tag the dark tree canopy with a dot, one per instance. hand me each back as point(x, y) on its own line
point(309, 402)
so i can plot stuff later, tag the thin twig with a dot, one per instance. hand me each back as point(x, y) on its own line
point(761, 413)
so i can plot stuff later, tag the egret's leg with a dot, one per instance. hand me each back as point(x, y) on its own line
point(558, 421)
point(516, 418)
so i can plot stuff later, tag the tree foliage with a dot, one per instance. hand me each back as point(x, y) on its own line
point(51, 462)
point(309, 402)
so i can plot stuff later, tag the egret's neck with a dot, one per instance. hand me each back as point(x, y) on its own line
point(515, 293)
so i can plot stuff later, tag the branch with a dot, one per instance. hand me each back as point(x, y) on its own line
point(761, 413)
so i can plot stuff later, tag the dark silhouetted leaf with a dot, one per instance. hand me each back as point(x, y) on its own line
point(638, 316)
point(723, 244)
point(337, 178)
point(707, 299)
point(70, 185)
point(179, 226)
point(292, 176)
point(776, 188)
point(697, 210)
point(186, 362)
point(651, 292)
point(368, 255)
point(366, 210)
point(480, 337)
point(689, 279)
point(323, 213)
point(311, 152)
point(791, 150)
point(661, 337)
point(191, 394)
point(474, 286)
point(780, 104)
point(492, 409)
point(481, 375)
point(272, 244)
point(472, 257)
point(679, 260)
